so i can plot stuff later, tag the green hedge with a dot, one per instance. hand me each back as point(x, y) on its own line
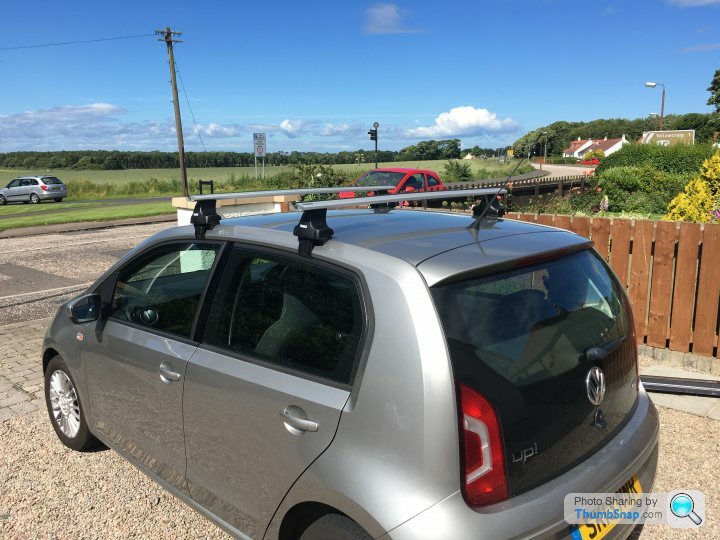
point(677, 159)
point(640, 189)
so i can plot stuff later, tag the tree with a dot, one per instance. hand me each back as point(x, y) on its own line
point(714, 89)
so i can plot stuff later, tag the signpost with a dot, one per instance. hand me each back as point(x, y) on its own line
point(260, 151)
point(669, 137)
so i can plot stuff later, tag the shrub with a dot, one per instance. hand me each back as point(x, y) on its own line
point(678, 159)
point(640, 189)
point(701, 198)
point(457, 171)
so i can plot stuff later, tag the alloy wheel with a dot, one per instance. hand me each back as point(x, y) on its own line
point(65, 404)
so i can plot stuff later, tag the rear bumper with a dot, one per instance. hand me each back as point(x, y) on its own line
point(53, 194)
point(539, 513)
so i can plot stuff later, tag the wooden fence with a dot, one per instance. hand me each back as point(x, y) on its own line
point(670, 270)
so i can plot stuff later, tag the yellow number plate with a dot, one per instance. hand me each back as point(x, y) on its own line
point(596, 531)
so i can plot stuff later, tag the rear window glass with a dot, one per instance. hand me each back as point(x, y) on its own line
point(51, 180)
point(535, 322)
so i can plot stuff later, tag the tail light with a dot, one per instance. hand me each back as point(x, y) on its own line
point(44, 187)
point(482, 456)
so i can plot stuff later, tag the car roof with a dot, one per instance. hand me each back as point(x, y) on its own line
point(439, 244)
point(402, 170)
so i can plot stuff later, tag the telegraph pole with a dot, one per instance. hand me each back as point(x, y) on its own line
point(168, 39)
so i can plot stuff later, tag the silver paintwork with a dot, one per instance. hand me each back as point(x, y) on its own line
point(386, 450)
point(64, 404)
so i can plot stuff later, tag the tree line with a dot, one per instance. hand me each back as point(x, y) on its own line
point(117, 160)
point(560, 134)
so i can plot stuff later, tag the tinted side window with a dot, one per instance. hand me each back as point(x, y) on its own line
point(14, 183)
point(162, 289)
point(415, 182)
point(289, 313)
point(432, 181)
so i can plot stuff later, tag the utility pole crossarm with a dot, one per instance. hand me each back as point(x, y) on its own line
point(168, 39)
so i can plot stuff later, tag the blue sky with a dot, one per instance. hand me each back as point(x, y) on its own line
point(314, 75)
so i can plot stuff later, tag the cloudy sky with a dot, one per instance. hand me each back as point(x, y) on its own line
point(315, 75)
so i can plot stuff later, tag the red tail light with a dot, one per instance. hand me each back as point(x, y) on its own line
point(482, 456)
point(44, 188)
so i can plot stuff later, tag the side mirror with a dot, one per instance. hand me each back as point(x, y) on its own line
point(85, 309)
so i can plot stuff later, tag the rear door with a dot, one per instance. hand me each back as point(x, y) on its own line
point(265, 390)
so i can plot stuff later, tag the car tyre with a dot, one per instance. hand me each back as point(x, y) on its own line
point(34, 199)
point(3, 200)
point(334, 527)
point(67, 414)
point(58, 199)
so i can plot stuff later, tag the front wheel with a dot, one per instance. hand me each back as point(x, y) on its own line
point(66, 412)
point(3, 200)
point(335, 527)
point(34, 199)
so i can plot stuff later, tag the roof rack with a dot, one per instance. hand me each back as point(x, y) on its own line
point(313, 230)
point(205, 216)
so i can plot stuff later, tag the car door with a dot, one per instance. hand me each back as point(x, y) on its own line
point(265, 390)
point(415, 182)
point(23, 192)
point(135, 357)
point(13, 190)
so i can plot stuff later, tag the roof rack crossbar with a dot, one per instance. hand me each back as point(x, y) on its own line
point(400, 197)
point(279, 192)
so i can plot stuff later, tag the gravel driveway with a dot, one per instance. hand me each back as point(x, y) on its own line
point(51, 492)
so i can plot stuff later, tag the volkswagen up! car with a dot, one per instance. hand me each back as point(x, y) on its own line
point(408, 378)
point(33, 189)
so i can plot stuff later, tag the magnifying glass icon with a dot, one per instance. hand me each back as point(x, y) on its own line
point(682, 506)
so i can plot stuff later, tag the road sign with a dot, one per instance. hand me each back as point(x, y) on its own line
point(259, 144)
point(669, 137)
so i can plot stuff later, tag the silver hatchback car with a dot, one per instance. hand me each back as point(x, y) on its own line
point(33, 189)
point(400, 375)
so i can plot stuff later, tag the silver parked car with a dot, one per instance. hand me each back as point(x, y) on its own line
point(399, 375)
point(33, 189)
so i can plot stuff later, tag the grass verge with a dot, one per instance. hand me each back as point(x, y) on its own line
point(94, 213)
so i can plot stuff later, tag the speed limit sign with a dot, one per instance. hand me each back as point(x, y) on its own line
point(259, 144)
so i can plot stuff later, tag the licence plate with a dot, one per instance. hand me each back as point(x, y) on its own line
point(596, 531)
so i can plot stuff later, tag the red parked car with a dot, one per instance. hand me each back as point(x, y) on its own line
point(404, 180)
point(593, 161)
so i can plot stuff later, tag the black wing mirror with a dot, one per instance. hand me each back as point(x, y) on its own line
point(85, 309)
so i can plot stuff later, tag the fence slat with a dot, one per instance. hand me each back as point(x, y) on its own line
point(708, 291)
point(661, 285)
point(562, 222)
point(545, 219)
point(620, 230)
point(600, 235)
point(581, 225)
point(640, 272)
point(684, 292)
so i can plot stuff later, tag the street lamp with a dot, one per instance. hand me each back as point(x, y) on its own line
point(662, 105)
point(655, 116)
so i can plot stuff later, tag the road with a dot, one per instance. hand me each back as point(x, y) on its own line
point(564, 170)
point(39, 273)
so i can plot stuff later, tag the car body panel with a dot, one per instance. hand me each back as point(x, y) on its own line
point(131, 404)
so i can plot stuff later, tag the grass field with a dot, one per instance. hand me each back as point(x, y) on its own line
point(85, 212)
point(485, 168)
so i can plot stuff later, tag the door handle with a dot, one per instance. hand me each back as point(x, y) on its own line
point(303, 424)
point(167, 375)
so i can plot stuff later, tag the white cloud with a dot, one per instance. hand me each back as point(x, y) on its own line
point(693, 3)
point(332, 130)
point(216, 130)
point(386, 19)
point(702, 48)
point(291, 128)
point(467, 121)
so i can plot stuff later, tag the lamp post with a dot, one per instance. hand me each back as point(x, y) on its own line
point(655, 116)
point(650, 84)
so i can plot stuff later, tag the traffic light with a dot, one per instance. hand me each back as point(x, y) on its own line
point(373, 134)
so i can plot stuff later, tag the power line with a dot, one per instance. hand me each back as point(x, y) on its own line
point(73, 42)
point(197, 129)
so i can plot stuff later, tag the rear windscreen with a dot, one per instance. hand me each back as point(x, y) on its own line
point(535, 322)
